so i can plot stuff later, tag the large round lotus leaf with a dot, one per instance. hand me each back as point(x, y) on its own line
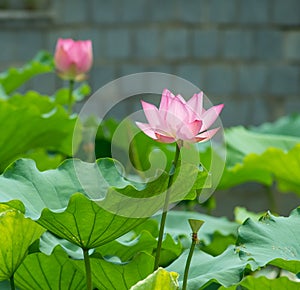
point(273, 240)
point(89, 204)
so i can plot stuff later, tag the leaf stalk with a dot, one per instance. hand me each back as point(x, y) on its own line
point(12, 283)
point(88, 271)
point(188, 261)
point(165, 209)
point(70, 99)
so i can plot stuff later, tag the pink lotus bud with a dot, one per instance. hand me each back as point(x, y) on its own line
point(179, 121)
point(73, 59)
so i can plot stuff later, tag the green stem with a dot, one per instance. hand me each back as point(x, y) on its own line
point(70, 99)
point(12, 283)
point(88, 271)
point(271, 199)
point(188, 261)
point(165, 210)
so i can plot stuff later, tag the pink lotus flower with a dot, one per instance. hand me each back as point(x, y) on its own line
point(73, 59)
point(179, 121)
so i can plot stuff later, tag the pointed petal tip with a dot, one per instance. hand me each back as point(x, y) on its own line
point(199, 95)
point(143, 102)
point(219, 107)
point(148, 106)
point(196, 103)
point(147, 129)
point(141, 125)
point(167, 93)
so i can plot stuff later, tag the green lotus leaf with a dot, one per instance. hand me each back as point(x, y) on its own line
point(15, 77)
point(48, 242)
point(137, 241)
point(264, 156)
point(44, 159)
point(53, 127)
point(94, 215)
point(251, 282)
point(287, 125)
point(83, 222)
point(55, 271)
point(285, 167)
point(241, 214)
point(141, 238)
point(17, 234)
point(127, 249)
point(14, 204)
point(86, 224)
point(52, 189)
point(218, 232)
point(74, 229)
point(170, 250)
point(248, 171)
point(272, 240)
point(159, 280)
point(150, 198)
point(242, 142)
point(150, 225)
point(114, 275)
point(226, 269)
point(273, 165)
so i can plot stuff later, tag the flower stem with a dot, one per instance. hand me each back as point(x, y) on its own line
point(188, 261)
point(12, 283)
point(70, 99)
point(88, 272)
point(271, 199)
point(165, 209)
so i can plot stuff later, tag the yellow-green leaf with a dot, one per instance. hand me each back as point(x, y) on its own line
point(161, 279)
point(17, 234)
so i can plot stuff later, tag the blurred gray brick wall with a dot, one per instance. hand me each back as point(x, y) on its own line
point(244, 53)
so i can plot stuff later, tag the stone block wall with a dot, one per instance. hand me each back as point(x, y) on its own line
point(244, 53)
